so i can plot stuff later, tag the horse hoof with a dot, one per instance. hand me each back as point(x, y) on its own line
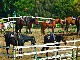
point(26, 32)
point(19, 57)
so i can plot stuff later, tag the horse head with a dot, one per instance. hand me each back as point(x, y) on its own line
point(61, 37)
point(61, 22)
point(36, 21)
point(23, 21)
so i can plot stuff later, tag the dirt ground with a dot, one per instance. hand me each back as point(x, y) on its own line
point(39, 40)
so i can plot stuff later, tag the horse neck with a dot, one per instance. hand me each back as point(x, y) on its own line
point(32, 21)
point(57, 21)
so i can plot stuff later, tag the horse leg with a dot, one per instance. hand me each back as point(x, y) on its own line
point(19, 30)
point(47, 52)
point(53, 29)
point(7, 45)
point(33, 42)
point(30, 31)
point(66, 28)
point(43, 47)
point(78, 29)
point(26, 30)
point(42, 29)
point(57, 48)
point(7, 50)
point(20, 43)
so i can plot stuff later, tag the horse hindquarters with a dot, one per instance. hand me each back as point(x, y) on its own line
point(29, 38)
point(45, 41)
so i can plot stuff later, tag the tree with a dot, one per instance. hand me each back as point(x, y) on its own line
point(43, 8)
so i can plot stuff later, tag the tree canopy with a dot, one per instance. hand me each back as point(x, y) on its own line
point(42, 8)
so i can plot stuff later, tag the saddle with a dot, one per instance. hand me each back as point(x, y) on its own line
point(51, 37)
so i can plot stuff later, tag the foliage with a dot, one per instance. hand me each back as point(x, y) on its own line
point(43, 8)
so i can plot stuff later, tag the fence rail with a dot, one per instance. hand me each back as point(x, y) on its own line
point(65, 48)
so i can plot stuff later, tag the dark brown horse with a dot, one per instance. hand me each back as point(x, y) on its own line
point(72, 21)
point(12, 38)
point(25, 22)
point(50, 38)
point(52, 25)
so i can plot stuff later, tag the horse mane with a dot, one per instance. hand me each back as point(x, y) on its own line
point(31, 20)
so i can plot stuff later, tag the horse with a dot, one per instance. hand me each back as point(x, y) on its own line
point(78, 25)
point(52, 25)
point(72, 21)
point(12, 38)
point(2, 26)
point(50, 38)
point(25, 22)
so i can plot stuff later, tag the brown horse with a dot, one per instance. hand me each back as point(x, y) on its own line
point(2, 27)
point(25, 22)
point(72, 21)
point(52, 25)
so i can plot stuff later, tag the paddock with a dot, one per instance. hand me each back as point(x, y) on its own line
point(39, 41)
point(30, 54)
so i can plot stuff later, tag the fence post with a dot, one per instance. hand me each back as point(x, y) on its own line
point(60, 57)
point(73, 52)
point(55, 51)
point(36, 53)
point(14, 53)
point(77, 53)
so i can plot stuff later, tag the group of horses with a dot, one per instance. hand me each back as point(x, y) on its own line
point(16, 38)
point(67, 21)
point(25, 21)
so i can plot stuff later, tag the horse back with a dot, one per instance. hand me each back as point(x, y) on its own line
point(49, 38)
point(70, 20)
